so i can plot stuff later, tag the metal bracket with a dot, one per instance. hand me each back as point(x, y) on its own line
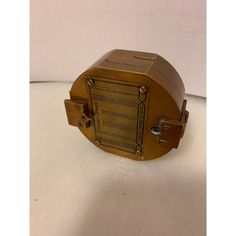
point(169, 132)
point(77, 113)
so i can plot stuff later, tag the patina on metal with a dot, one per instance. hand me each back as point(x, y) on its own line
point(129, 103)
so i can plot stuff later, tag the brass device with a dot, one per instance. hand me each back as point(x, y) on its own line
point(129, 103)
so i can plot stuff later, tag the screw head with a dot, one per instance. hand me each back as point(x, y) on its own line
point(138, 152)
point(90, 82)
point(143, 89)
point(97, 142)
point(83, 118)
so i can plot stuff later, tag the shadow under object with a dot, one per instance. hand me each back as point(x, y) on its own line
point(129, 103)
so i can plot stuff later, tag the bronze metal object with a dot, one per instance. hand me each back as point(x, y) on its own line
point(129, 103)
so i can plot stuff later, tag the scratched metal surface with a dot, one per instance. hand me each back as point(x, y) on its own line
point(78, 189)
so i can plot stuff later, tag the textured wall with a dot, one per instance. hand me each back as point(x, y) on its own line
point(67, 36)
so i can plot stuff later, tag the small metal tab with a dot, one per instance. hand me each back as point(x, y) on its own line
point(77, 113)
point(169, 132)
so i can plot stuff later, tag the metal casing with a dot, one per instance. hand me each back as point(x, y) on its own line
point(129, 103)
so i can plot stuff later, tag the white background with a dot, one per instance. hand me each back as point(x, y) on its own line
point(68, 36)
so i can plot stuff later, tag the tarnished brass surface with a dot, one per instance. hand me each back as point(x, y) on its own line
point(129, 103)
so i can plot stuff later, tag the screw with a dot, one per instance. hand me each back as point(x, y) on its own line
point(143, 89)
point(83, 118)
point(90, 82)
point(138, 152)
point(97, 142)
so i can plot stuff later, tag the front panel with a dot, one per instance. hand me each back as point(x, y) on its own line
point(119, 113)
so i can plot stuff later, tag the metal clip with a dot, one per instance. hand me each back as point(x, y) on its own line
point(169, 132)
point(77, 113)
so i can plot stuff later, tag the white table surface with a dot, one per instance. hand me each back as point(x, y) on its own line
point(80, 190)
